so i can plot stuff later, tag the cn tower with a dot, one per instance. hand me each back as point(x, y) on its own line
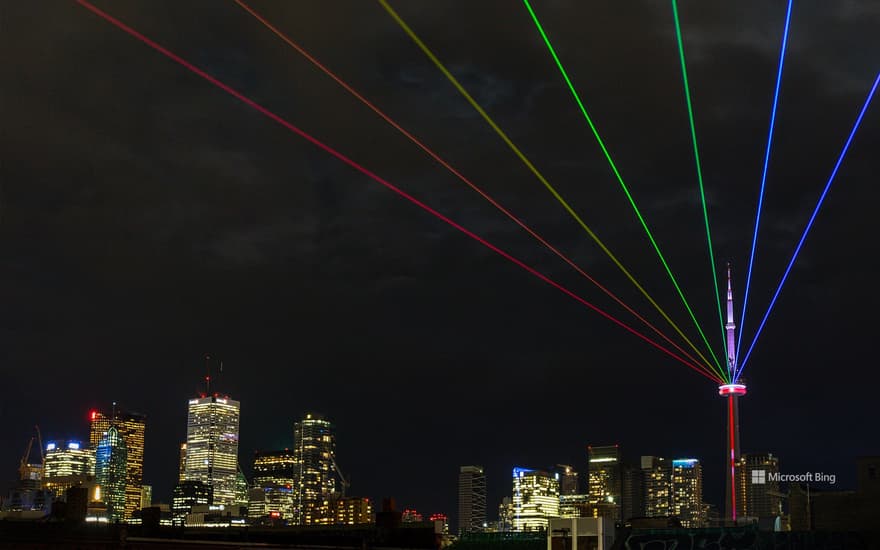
point(732, 392)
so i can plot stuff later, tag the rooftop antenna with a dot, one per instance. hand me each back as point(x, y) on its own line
point(207, 374)
point(114, 412)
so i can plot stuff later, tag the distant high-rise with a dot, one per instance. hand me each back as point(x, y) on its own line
point(314, 454)
point(535, 499)
point(568, 480)
point(65, 465)
point(241, 492)
point(632, 497)
point(674, 488)
point(471, 499)
point(274, 476)
point(604, 479)
point(759, 487)
point(146, 496)
point(131, 427)
point(351, 511)
point(687, 492)
point(110, 473)
point(186, 495)
point(656, 486)
point(212, 445)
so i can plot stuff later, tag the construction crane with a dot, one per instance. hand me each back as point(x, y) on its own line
point(345, 482)
point(26, 470)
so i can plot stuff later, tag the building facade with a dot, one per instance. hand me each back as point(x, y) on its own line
point(351, 511)
point(314, 453)
point(111, 473)
point(471, 499)
point(274, 476)
point(604, 480)
point(657, 486)
point(186, 495)
point(132, 428)
point(687, 493)
point(535, 499)
point(759, 484)
point(673, 488)
point(212, 446)
point(67, 464)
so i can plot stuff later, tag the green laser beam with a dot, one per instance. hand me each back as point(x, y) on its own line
point(690, 110)
point(412, 35)
point(620, 178)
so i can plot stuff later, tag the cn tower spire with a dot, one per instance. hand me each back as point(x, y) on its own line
point(731, 328)
point(732, 391)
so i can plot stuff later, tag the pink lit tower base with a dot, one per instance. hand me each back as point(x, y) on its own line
point(732, 392)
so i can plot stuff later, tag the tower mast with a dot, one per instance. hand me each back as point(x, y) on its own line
point(731, 391)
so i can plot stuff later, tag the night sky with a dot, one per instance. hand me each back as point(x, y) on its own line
point(148, 218)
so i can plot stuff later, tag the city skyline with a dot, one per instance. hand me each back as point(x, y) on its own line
point(148, 219)
point(604, 480)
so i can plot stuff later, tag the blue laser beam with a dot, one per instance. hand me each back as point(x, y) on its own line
point(809, 224)
point(742, 321)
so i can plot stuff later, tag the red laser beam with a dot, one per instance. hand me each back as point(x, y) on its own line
point(256, 106)
point(302, 51)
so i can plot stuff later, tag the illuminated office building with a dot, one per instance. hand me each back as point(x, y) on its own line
point(212, 446)
point(471, 499)
point(186, 495)
point(314, 455)
point(146, 496)
point(274, 475)
point(604, 480)
point(66, 464)
point(687, 492)
point(351, 511)
point(535, 499)
point(575, 506)
point(131, 427)
point(110, 473)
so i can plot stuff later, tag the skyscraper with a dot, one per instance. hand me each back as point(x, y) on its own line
point(568, 479)
point(110, 473)
point(687, 492)
point(314, 454)
point(274, 476)
point(471, 499)
point(761, 498)
point(674, 488)
point(131, 427)
point(604, 479)
point(65, 465)
point(632, 490)
point(657, 486)
point(186, 495)
point(212, 445)
point(535, 499)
